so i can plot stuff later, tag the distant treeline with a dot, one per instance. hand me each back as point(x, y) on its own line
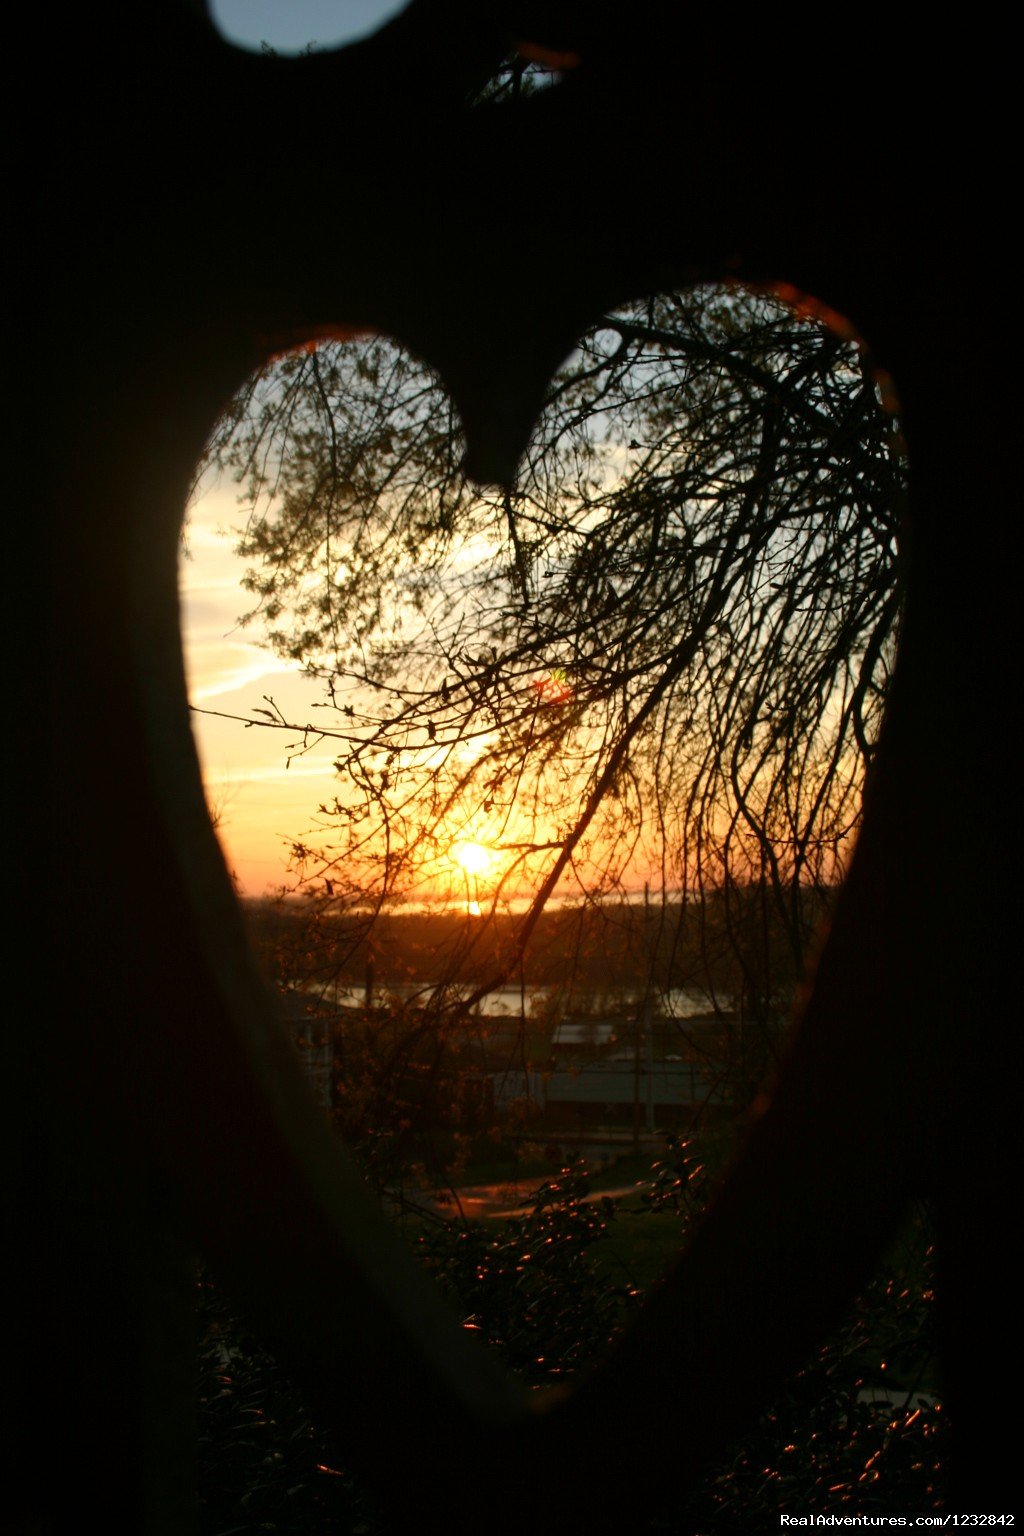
point(746, 937)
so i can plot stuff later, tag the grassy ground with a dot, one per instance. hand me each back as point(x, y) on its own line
point(639, 1248)
point(640, 1244)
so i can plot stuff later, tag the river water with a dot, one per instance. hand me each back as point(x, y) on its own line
point(512, 1003)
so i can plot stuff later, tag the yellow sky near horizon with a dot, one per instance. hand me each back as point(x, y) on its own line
point(263, 804)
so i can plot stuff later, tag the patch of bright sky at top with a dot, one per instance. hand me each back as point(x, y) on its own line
point(289, 26)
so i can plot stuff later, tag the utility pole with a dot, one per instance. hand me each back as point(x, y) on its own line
point(648, 1026)
point(642, 1037)
point(636, 1081)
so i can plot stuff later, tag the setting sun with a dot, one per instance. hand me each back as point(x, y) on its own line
point(474, 858)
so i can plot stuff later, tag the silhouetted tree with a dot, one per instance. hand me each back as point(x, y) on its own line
point(661, 654)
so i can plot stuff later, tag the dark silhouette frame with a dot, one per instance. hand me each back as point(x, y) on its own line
point(187, 210)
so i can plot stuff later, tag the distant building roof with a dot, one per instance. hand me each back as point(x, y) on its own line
point(584, 1032)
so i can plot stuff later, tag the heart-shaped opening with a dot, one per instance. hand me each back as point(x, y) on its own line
point(557, 782)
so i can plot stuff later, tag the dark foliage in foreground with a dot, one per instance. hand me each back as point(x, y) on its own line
point(531, 1287)
point(263, 1465)
point(822, 1449)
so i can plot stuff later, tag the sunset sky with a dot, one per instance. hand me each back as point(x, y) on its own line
point(262, 803)
point(264, 796)
point(264, 792)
